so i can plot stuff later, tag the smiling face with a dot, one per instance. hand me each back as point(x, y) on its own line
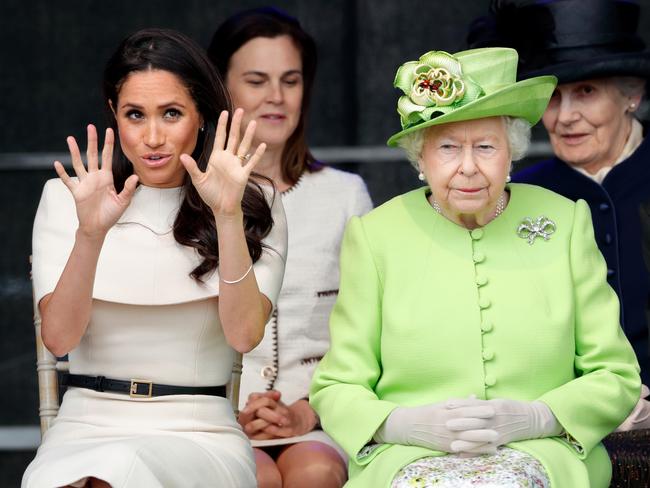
point(157, 121)
point(466, 165)
point(265, 79)
point(588, 123)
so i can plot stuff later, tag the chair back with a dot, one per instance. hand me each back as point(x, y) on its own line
point(232, 388)
point(48, 381)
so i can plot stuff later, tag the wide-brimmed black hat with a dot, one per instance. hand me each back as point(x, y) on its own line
point(571, 39)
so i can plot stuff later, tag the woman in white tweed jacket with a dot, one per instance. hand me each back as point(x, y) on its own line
point(268, 64)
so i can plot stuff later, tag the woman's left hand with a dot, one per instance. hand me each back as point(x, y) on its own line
point(267, 417)
point(222, 184)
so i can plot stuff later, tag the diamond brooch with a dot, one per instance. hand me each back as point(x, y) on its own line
point(530, 229)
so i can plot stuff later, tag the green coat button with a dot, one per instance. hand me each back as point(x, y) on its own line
point(486, 326)
point(476, 234)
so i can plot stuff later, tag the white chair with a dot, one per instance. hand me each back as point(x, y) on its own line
point(47, 366)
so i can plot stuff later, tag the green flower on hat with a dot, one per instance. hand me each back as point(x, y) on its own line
point(432, 86)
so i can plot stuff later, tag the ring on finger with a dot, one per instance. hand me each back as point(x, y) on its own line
point(244, 158)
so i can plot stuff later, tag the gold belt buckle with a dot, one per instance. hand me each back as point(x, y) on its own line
point(133, 392)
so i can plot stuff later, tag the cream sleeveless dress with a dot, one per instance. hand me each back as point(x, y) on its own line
point(151, 321)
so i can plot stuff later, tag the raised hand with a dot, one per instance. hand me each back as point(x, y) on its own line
point(98, 205)
point(222, 184)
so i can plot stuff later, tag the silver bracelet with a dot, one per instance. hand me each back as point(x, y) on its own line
point(238, 280)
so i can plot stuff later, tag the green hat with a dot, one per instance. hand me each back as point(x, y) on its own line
point(440, 88)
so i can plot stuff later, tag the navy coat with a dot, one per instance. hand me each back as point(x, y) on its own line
point(620, 209)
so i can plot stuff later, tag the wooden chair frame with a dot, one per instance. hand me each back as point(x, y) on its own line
point(48, 381)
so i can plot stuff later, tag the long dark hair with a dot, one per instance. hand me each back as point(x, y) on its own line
point(272, 22)
point(167, 50)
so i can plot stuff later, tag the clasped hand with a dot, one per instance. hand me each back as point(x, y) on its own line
point(469, 426)
point(265, 416)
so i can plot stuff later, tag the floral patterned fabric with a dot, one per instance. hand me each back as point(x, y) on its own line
point(507, 468)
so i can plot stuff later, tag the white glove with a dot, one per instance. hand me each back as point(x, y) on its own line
point(512, 421)
point(640, 416)
point(426, 426)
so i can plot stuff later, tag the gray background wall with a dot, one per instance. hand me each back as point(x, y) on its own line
point(53, 54)
point(51, 60)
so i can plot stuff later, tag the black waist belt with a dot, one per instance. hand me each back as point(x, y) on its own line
point(138, 388)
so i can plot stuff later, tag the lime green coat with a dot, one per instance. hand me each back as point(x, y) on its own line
point(428, 310)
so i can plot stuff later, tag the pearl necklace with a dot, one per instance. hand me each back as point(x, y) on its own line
point(501, 205)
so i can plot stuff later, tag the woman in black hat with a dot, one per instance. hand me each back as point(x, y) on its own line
point(601, 152)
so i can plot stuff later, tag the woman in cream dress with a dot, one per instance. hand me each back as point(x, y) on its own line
point(135, 286)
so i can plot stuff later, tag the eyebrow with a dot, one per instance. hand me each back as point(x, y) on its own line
point(262, 73)
point(482, 137)
point(162, 105)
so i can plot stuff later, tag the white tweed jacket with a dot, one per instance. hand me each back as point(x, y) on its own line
point(317, 208)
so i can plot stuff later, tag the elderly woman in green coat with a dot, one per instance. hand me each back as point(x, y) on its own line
point(475, 339)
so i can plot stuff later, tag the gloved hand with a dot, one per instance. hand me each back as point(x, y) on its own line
point(426, 426)
point(639, 418)
point(512, 420)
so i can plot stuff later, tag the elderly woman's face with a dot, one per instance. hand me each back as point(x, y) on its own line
point(466, 165)
point(588, 123)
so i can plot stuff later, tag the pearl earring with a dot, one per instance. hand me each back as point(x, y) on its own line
point(632, 106)
point(508, 179)
point(421, 176)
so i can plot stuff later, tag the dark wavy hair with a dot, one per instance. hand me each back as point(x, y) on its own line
point(171, 51)
point(272, 22)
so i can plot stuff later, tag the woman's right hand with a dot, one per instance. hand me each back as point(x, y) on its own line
point(435, 426)
point(98, 205)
